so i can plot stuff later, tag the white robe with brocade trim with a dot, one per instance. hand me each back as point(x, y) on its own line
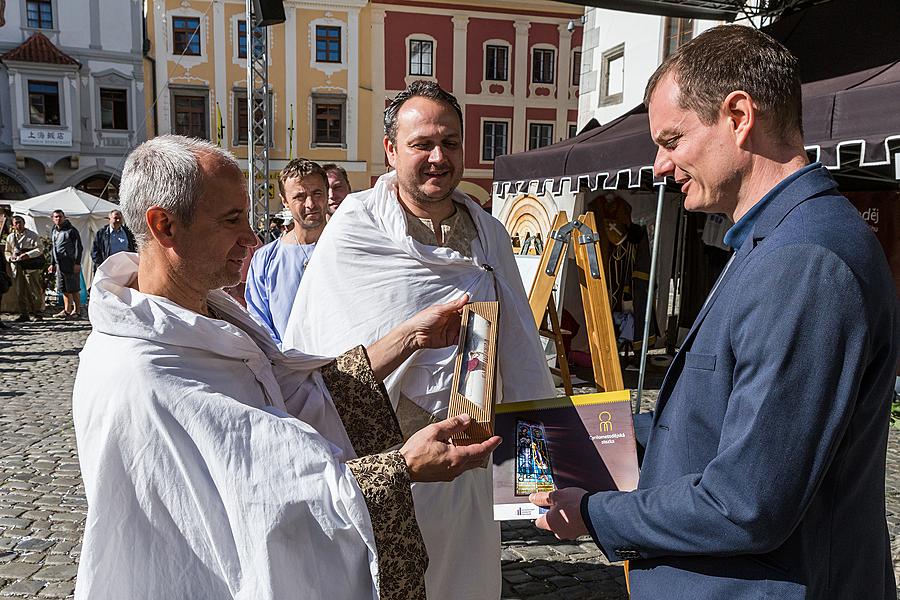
point(199, 483)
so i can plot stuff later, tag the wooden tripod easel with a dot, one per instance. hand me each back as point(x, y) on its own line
point(594, 296)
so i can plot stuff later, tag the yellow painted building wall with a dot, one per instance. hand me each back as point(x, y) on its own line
point(294, 77)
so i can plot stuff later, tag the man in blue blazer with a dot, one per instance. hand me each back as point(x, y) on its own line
point(764, 472)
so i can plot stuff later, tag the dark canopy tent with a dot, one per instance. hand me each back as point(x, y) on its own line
point(849, 57)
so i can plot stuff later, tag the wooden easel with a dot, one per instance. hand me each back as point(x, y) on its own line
point(594, 296)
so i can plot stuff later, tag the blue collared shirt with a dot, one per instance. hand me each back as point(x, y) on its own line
point(118, 241)
point(739, 231)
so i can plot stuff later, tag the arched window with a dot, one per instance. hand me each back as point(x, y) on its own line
point(103, 186)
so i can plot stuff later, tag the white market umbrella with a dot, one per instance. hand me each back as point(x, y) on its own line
point(87, 213)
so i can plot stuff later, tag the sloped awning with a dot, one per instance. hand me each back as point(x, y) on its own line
point(851, 107)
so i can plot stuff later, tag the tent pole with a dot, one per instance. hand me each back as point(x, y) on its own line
point(654, 256)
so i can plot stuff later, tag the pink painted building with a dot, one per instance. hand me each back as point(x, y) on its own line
point(513, 66)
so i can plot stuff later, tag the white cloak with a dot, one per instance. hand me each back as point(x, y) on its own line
point(199, 483)
point(368, 275)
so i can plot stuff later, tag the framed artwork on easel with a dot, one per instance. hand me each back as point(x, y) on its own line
point(475, 372)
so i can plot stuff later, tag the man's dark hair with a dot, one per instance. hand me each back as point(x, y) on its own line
point(735, 57)
point(58, 211)
point(425, 89)
point(300, 168)
point(329, 167)
point(18, 218)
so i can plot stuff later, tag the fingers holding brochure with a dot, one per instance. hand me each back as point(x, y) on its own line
point(564, 517)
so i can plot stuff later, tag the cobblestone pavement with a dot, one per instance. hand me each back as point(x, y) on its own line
point(42, 504)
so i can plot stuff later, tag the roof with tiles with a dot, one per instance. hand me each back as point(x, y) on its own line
point(39, 49)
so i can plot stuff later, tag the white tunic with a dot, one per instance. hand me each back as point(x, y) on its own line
point(367, 276)
point(199, 484)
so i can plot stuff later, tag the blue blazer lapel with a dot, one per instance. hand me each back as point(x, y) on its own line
point(807, 186)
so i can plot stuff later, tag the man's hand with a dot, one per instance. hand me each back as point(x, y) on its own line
point(51, 269)
point(437, 326)
point(564, 518)
point(430, 456)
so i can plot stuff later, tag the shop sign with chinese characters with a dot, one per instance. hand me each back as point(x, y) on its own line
point(43, 137)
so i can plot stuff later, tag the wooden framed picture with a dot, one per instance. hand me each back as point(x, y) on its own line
point(474, 376)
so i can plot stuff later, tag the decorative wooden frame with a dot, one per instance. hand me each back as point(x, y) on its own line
point(482, 346)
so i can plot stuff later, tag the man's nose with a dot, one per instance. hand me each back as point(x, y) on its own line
point(437, 154)
point(248, 237)
point(663, 165)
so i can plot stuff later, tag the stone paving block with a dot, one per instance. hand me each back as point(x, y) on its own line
point(541, 571)
point(533, 552)
point(532, 588)
point(14, 523)
point(25, 587)
point(58, 590)
point(562, 581)
point(516, 576)
point(57, 572)
point(67, 517)
point(18, 570)
point(35, 558)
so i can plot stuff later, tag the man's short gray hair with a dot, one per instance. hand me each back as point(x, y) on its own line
point(164, 172)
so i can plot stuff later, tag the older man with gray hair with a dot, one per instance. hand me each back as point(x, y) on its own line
point(229, 469)
point(112, 239)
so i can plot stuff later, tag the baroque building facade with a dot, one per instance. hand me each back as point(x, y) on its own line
point(71, 104)
point(334, 65)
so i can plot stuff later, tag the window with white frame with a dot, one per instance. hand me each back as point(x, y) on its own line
point(186, 35)
point(612, 75)
point(542, 60)
point(677, 31)
point(573, 130)
point(539, 135)
point(329, 120)
point(328, 44)
point(240, 123)
point(421, 57)
point(39, 14)
point(242, 38)
point(43, 103)
point(496, 63)
point(576, 68)
point(190, 113)
point(494, 137)
point(113, 108)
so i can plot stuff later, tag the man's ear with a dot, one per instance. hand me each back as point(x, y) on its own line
point(740, 110)
point(161, 225)
point(391, 151)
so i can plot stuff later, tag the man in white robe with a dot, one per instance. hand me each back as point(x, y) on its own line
point(411, 241)
point(227, 469)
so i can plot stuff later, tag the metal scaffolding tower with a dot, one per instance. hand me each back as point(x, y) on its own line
point(258, 119)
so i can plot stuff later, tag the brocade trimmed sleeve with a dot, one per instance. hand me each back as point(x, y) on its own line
point(362, 403)
point(402, 557)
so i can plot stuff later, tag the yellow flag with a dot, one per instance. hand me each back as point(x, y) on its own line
point(220, 128)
